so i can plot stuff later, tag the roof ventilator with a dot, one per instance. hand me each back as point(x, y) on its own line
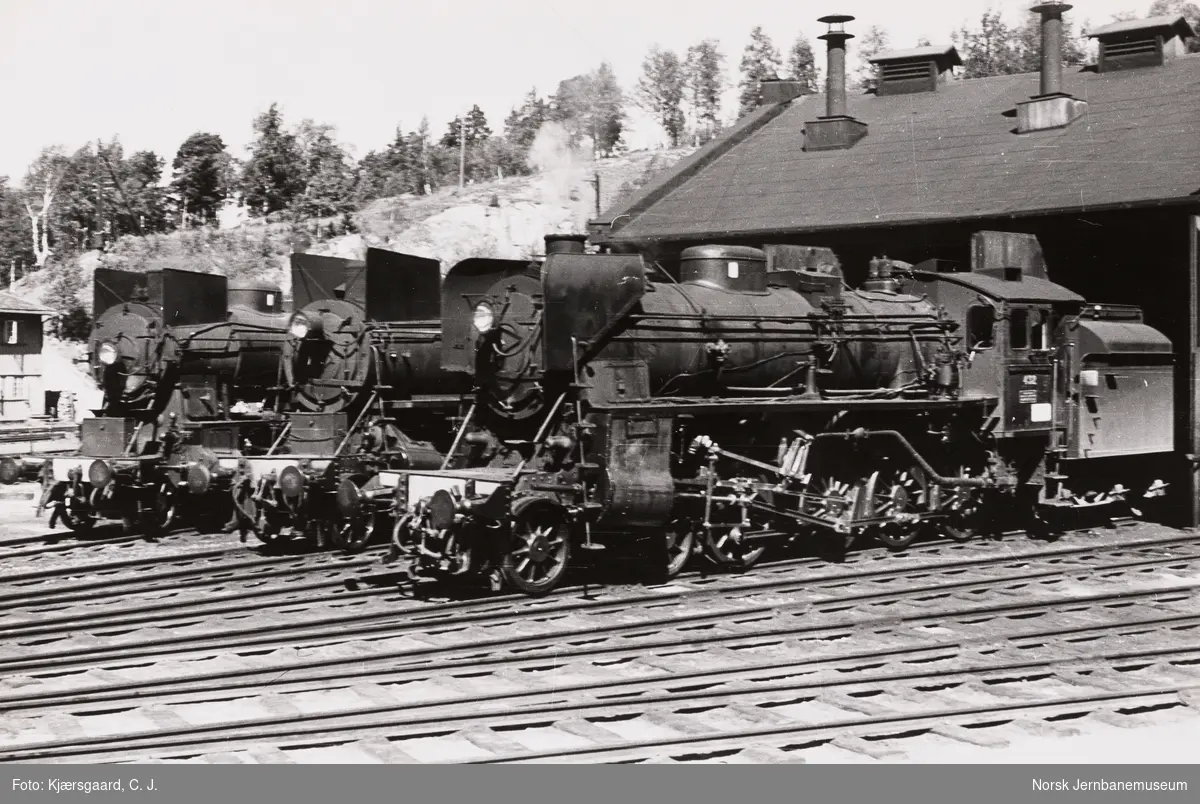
point(836, 130)
point(780, 90)
point(915, 70)
point(1051, 108)
point(1141, 43)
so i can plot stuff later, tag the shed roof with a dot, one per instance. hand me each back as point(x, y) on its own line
point(929, 157)
point(1176, 22)
point(940, 53)
point(11, 303)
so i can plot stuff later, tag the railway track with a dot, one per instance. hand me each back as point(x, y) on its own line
point(157, 660)
point(118, 641)
point(608, 713)
point(735, 601)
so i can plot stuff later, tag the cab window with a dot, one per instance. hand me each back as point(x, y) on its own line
point(981, 320)
point(1018, 328)
point(1039, 330)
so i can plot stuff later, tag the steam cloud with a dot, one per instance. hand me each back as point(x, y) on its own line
point(562, 170)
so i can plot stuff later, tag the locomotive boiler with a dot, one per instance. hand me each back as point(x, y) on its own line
point(179, 356)
point(730, 403)
point(364, 395)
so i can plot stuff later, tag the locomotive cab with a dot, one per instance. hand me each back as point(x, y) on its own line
point(1008, 316)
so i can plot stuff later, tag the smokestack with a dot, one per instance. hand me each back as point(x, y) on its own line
point(836, 130)
point(565, 244)
point(1051, 107)
point(1052, 59)
point(835, 71)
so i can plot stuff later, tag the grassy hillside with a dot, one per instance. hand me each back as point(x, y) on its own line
point(505, 218)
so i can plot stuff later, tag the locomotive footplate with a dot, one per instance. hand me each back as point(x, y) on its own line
point(792, 404)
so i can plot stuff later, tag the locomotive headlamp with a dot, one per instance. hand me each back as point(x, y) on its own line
point(299, 326)
point(291, 482)
point(484, 318)
point(99, 474)
point(107, 353)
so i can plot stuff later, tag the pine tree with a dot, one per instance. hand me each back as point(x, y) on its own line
point(802, 65)
point(874, 42)
point(660, 91)
point(705, 81)
point(274, 175)
point(523, 123)
point(760, 62)
point(328, 177)
point(201, 177)
point(990, 49)
point(591, 106)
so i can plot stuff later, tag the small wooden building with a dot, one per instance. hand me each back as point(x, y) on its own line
point(21, 365)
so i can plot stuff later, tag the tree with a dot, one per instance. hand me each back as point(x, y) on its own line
point(591, 105)
point(420, 153)
point(274, 175)
point(41, 188)
point(14, 230)
point(141, 177)
point(472, 129)
point(660, 91)
point(63, 295)
point(608, 110)
point(760, 62)
point(704, 82)
point(328, 176)
point(202, 177)
point(1188, 10)
point(802, 66)
point(990, 49)
point(874, 42)
point(1027, 42)
point(523, 123)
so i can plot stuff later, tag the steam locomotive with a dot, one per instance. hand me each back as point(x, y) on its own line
point(749, 397)
point(363, 395)
point(177, 354)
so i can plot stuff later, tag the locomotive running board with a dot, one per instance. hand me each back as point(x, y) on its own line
point(703, 406)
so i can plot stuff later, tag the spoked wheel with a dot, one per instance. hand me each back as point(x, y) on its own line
point(680, 542)
point(156, 517)
point(250, 516)
point(666, 554)
point(77, 515)
point(962, 521)
point(899, 497)
point(726, 548)
point(539, 548)
point(354, 534)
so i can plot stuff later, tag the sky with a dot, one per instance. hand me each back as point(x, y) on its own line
point(153, 72)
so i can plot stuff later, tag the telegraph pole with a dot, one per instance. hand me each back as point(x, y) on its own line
point(462, 151)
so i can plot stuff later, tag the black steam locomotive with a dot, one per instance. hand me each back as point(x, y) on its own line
point(180, 356)
point(750, 396)
point(363, 393)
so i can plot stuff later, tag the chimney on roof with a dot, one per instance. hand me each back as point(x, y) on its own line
point(836, 130)
point(1141, 43)
point(915, 70)
point(1050, 108)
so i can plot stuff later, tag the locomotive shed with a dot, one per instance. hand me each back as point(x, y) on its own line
point(1098, 162)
